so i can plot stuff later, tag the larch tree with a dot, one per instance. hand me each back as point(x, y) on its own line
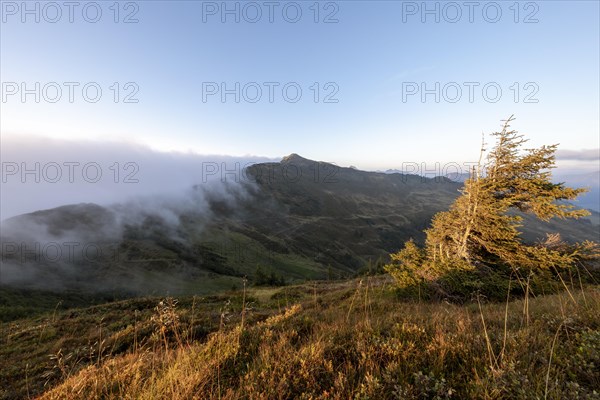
point(479, 230)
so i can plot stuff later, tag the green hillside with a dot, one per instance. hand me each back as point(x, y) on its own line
point(294, 220)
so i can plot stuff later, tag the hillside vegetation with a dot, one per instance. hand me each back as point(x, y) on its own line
point(471, 308)
point(300, 219)
point(352, 339)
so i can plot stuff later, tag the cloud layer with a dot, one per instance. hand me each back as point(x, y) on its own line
point(40, 173)
point(578, 155)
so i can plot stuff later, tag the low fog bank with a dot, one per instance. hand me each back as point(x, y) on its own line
point(112, 248)
point(64, 224)
point(41, 173)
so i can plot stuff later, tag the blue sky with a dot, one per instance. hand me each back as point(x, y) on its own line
point(371, 57)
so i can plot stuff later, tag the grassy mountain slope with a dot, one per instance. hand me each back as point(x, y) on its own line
point(325, 340)
point(299, 219)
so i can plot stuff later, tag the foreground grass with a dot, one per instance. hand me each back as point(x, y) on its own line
point(341, 340)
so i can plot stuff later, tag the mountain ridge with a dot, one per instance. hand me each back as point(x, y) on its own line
point(297, 218)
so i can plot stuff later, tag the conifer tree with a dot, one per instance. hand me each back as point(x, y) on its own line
point(479, 231)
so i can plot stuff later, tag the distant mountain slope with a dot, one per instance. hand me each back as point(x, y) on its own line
point(590, 181)
point(297, 219)
point(343, 216)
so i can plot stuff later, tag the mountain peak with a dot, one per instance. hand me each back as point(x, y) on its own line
point(293, 158)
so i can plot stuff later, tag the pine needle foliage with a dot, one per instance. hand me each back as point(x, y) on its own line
point(476, 246)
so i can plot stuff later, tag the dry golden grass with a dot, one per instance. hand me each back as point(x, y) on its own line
point(357, 340)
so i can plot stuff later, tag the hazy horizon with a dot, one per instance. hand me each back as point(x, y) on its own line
point(130, 171)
